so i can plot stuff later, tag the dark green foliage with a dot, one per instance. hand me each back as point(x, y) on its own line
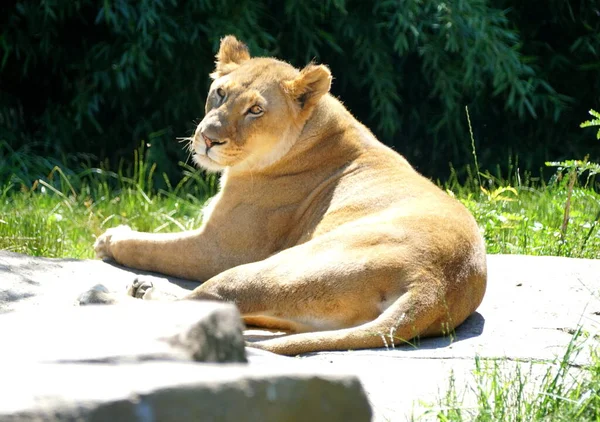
point(98, 77)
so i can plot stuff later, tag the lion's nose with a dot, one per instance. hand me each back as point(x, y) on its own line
point(210, 142)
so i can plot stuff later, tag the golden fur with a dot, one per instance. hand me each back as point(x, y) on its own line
point(318, 228)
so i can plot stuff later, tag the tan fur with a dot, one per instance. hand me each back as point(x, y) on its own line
point(318, 228)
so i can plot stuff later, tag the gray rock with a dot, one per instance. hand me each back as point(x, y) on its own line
point(138, 331)
point(176, 391)
point(134, 360)
point(97, 295)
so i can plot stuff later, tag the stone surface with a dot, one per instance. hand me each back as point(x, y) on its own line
point(177, 391)
point(138, 331)
point(532, 307)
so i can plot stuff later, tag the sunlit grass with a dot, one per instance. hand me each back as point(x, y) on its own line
point(60, 215)
point(528, 220)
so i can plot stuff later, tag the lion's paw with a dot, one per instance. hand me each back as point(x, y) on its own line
point(102, 245)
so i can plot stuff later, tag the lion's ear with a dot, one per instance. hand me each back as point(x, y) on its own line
point(231, 54)
point(310, 85)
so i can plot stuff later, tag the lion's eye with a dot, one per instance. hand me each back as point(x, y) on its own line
point(221, 93)
point(256, 110)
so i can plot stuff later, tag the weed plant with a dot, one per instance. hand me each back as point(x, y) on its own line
point(501, 390)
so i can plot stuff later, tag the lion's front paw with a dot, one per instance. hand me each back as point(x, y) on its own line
point(102, 246)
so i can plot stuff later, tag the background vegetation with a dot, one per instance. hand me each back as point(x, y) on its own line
point(87, 80)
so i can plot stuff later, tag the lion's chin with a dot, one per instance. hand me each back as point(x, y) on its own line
point(207, 163)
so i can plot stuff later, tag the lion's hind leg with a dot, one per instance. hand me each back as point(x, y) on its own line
point(345, 291)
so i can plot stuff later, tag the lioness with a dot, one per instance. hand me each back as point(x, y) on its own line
point(318, 229)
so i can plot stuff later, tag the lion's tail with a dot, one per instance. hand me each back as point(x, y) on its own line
point(410, 316)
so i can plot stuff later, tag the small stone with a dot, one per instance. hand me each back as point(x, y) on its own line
point(97, 295)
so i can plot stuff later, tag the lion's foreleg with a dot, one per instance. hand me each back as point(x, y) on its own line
point(186, 254)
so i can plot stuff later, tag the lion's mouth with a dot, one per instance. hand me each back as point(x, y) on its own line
point(202, 145)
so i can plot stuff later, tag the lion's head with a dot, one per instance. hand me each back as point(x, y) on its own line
point(255, 109)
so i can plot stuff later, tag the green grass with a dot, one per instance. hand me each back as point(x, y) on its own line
point(59, 215)
point(528, 220)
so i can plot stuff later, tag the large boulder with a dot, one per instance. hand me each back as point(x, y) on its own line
point(177, 391)
point(140, 360)
point(134, 332)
